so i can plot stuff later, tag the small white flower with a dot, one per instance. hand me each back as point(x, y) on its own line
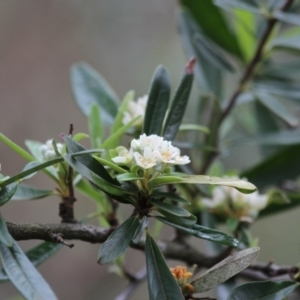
point(48, 151)
point(135, 109)
point(124, 157)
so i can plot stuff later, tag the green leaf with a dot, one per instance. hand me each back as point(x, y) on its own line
point(196, 127)
point(140, 230)
point(170, 196)
point(89, 87)
point(37, 255)
point(16, 148)
point(27, 192)
point(276, 168)
point(203, 232)
point(111, 165)
point(118, 241)
point(212, 53)
point(23, 275)
point(183, 221)
point(34, 169)
point(170, 208)
point(266, 290)
point(276, 107)
point(208, 77)
point(248, 5)
point(224, 270)
point(95, 126)
point(5, 236)
point(202, 12)
point(101, 183)
point(7, 192)
point(129, 177)
point(158, 101)
point(88, 160)
point(287, 17)
point(244, 25)
point(287, 43)
point(179, 178)
point(161, 283)
point(118, 123)
point(178, 106)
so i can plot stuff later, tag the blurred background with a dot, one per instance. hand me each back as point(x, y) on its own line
point(124, 41)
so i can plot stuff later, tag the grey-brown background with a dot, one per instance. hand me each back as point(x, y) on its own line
point(125, 41)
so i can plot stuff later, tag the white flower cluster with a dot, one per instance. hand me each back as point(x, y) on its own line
point(48, 151)
point(150, 152)
point(229, 202)
point(135, 109)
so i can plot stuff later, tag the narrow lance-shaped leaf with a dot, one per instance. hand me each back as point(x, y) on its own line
point(23, 275)
point(170, 208)
point(179, 103)
point(202, 232)
point(118, 241)
point(179, 178)
point(161, 283)
point(27, 192)
point(88, 160)
point(90, 87)
point(34, 169)
point(7, 192)
point(95, 126)
point(5, 236)
point(140, 230)
point(37, 255)
point(266, 290)
point(287, 17)
point(224, 270)
point(158, 101)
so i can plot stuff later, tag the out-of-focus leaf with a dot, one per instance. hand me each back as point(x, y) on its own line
point(118, 241)
point(90, 87)
point(279, 88)
point(202, 12)
point(244, 25)
point(111, 165)
point(170, 196)
point(29, 166)
point(275, 169)
point(248, 5)
point(275, 106)
point(225, 269)
point(212, 53)
point(7, 192)
point(158, 101)
point(162, 180)
point(170, 208)
point(37, 255)
point(140, 230)
point(23, 275)
point(207, 76)
point(161, 283)
point(27, 192)
point(80, 136)
point(118, 123)
point(287, 17)
point(267, 290)
point(5, 236)
point(287, 43)
point(26, 173)
point(88, 160)
point(196, 127)
point(95, 126)
point(178, 106)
